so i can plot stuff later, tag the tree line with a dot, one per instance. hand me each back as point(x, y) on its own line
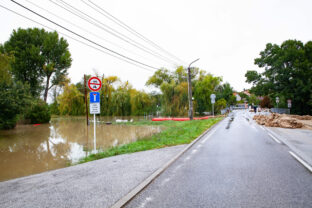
point(118, 98)
point(34, 62)
point(287, 75)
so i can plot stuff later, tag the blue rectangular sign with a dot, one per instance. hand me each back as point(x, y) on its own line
point(94, 97)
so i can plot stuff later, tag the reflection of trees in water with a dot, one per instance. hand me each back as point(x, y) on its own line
point(26, 151)
point(72, 133)
point(107, 135)
point(32, 149)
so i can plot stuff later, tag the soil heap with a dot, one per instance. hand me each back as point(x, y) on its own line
point(284, 121)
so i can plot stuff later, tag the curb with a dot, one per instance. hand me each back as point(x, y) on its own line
point(124, 200)
point(301, 154)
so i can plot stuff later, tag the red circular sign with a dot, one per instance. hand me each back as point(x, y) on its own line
point(94, 84)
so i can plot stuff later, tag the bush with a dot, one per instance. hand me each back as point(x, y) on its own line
point(220, 104)
point(38, 112)
point(266, 102)
point(13, 98)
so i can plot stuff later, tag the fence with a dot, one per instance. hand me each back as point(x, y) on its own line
point(280, 110)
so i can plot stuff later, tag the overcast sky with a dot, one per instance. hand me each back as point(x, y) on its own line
point(226, 35)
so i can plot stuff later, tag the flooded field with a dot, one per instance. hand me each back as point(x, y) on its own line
point(30, 149)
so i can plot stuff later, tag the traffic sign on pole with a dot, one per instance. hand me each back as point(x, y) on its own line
point(95, 108)
point(94, 84)
point(213, 97)
point(94, 97)
point(277, 101)
point(95, 103)
point(289, 103)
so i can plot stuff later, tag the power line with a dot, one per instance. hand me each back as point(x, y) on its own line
point(91, 41)
point(109, 30)
point(75, 39)
point(128, 28)
point(81, 28)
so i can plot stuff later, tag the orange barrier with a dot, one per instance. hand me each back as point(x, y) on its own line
point(179, 119)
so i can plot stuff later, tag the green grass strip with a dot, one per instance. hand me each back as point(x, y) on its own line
point(175, 133)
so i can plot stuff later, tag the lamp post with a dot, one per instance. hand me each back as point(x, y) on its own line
point(190, 113)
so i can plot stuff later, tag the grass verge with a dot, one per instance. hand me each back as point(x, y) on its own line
point(175, 133)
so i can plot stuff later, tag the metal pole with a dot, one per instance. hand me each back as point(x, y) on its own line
point(86, 101)
point(190, 113)
point(212, 110)
point(94, 133)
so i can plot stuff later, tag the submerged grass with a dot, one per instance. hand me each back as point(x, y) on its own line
point(175, 133)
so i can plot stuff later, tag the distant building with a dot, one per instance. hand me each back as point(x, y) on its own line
point(246, 92)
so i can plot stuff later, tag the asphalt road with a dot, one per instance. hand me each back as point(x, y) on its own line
point(238, 166)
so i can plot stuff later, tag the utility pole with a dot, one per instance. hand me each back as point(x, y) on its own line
point(190, 113)
point(86, 98)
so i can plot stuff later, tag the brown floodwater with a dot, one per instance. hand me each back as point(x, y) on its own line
point(30, 149)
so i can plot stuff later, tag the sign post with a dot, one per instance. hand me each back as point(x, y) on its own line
point(94, 85)
point(289, 103)
point(277, 101)
point(213, 97)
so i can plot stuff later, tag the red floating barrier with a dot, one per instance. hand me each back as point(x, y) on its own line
point(179, 119)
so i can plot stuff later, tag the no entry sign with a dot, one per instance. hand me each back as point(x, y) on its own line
point(94, 84)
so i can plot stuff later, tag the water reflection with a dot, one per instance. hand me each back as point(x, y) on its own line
point(30, 149)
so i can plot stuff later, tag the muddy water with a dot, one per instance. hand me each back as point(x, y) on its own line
point(32, 149)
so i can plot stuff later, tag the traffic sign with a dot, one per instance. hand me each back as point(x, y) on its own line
point(289, 103)
point(94, 97)
point(95, 108)
point(213, 97)
point(94, 84)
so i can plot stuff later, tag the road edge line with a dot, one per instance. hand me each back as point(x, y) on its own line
point(124, 200)
point(305, 164)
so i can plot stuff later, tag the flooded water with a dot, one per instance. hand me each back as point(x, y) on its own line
point(29, 149)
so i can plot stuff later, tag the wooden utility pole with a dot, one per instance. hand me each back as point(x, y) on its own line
point(86, 98)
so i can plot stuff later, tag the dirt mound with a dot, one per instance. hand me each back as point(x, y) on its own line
point(305, 117)
point(280, 120)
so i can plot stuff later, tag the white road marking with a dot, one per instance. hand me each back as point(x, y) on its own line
point(207, 137)
point(177, 168)
point(146, 201)
point(198, 146)
point(165, 181)
point(262, 127)
point(194, 151)
point(306, 165)
point(187, 158)
point(252, 126)
point(273, 137)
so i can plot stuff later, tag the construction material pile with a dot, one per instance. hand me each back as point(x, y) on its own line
point(284, 121)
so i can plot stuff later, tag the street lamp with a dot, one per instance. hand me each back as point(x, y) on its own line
point(190, 113)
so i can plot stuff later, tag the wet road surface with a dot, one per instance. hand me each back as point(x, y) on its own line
point(235, 165)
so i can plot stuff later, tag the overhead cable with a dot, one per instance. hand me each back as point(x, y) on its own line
point(105, 13)
point(76, 39)
point(83, 29)
point(110, 30)
point(87, 39)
